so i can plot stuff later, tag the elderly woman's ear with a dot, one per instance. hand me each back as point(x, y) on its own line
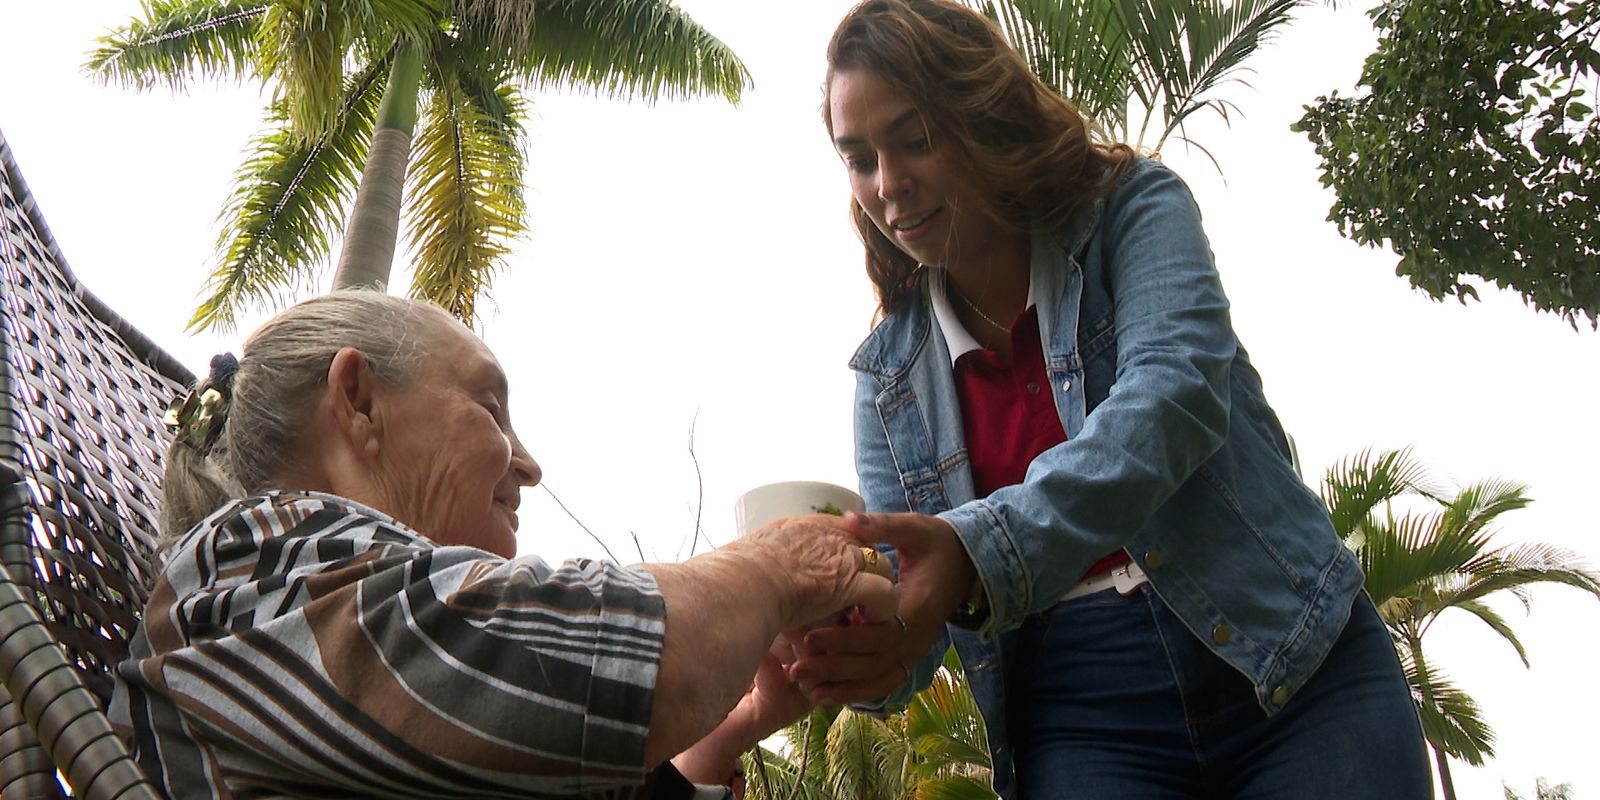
point(348, 404)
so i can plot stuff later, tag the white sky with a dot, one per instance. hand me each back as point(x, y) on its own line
point(691, 265)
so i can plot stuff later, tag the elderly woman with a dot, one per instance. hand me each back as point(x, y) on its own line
point(341, 613)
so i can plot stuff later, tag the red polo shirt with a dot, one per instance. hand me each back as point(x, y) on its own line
point(1008, 412)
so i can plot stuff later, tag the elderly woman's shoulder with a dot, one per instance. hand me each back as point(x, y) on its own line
point(297, 513)
point(284, 527)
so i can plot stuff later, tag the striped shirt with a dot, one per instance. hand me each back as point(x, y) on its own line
point(305, 645)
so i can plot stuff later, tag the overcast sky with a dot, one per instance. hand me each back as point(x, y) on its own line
point(690, 267)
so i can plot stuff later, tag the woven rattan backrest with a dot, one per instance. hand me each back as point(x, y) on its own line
point(81, 444)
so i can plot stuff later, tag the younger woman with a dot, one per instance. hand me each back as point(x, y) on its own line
point(1094, 493)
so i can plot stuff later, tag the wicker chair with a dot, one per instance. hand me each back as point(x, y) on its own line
point(81, 398)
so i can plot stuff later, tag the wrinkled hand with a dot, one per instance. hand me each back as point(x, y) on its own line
point(818, 563)
point(864, 661)
point(774, 700)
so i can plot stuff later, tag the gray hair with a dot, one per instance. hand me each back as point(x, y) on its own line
point(283, 366)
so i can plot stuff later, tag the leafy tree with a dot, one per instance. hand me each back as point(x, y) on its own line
point(1422, 563)
point(347, 81)
point(1471, 149)
point(1157, 60)
point(934, 749)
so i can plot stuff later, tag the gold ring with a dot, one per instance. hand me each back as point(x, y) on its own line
point(870, 559)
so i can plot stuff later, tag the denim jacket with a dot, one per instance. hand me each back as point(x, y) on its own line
point(1172, 453)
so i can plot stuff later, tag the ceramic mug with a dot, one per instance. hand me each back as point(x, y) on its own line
point(764, 504)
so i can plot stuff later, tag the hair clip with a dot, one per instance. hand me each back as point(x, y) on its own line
point(197, 417)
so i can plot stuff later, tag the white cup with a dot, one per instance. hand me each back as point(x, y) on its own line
point(764, 504)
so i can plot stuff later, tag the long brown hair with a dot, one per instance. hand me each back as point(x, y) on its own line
point(1025, 146)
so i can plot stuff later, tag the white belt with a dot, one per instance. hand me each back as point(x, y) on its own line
point(1124, 578)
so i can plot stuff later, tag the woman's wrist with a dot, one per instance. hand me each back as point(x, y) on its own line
point(715, 760)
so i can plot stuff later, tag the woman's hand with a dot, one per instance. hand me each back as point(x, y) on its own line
point(725, 608)
point(772, 703)
point(857, 662)
point(818, 559)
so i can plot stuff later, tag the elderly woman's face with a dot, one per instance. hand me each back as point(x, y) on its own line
point(450, 465)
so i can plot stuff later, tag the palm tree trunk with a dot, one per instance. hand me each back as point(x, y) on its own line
point(369, 241)
point(1447, 787)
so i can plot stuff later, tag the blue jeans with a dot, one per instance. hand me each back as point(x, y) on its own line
point(1113, 697)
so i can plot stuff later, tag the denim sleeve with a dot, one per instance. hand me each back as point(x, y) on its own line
point(1166, 413)
point(882, 491)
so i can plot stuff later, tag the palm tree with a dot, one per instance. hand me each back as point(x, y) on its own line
point(1160, 59)
point(347, 81)
point(1542, 790)
point(934, 750)
point(1423, 562)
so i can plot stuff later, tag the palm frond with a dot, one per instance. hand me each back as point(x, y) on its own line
point(290, 195)
point(414, 20)
point(498, 20)
point(808, 741)
point(1219, 38)
point(1355, 486)
point(466, 205)
point(1520, 566)
point(303, 48)
point(1079, 48)
point(784, 774)
point(646, 49)
point(957, 787)
point(177, 40)
point(1497, 623)
point(944, 726)
point(1475, 507)
point(1453, 722)
point(864, 757)
point(1412, 554)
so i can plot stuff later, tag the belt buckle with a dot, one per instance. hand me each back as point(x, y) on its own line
point(1127, 578)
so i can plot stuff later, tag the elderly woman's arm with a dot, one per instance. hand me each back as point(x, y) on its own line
point(725, 608)
point(302, 642)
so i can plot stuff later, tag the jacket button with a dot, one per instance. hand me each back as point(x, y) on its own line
point(1066, 385)
point(1153, 558)
point(1033, 388)
point(1280, 695)
point(1221, 634)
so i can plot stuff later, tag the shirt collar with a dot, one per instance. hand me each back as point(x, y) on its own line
point(956, 338)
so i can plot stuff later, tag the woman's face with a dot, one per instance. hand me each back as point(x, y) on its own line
point(910, 187)
point(449, 464)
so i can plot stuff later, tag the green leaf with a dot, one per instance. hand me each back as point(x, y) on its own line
point(465, 204)
point(626, 48)
point(178, 40)
point(1466, 153)
point(290, 195)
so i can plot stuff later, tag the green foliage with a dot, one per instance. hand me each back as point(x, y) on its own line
point(324, 63)
point(1163, 59)
point(290, 195)
point(466, 186)
point(179, 39)
point(1472, 149)
point(934, 750)
point(626, 48)
point(1433, 554)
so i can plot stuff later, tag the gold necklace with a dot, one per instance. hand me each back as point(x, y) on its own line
point(969, 304)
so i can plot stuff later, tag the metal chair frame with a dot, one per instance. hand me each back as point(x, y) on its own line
point(81, 445)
